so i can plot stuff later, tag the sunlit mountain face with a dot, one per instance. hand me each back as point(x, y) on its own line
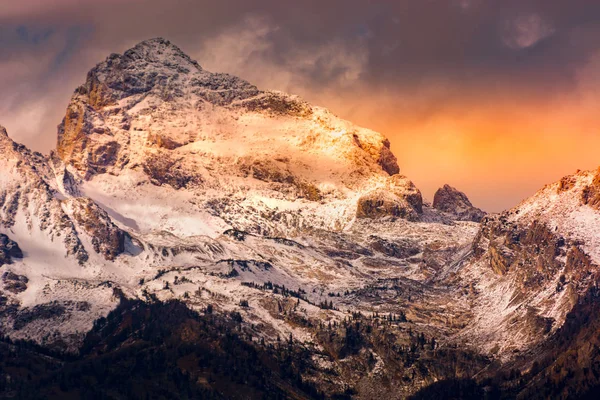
point(318, 200)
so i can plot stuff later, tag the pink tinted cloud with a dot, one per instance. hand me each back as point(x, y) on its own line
point(12, 9)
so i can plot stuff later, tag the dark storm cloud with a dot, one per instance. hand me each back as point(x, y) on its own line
point(407, 41)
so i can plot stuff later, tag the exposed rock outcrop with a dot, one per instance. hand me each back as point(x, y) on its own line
point(381, 203)
point(590, 194)
point(14, 283)
point(107, 238)
point(404, 188)
point(497, 261)
point(8, 250)
point(457, 204)
point(388, 160)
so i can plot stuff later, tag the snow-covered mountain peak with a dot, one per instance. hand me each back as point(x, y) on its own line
point(155, 96)
point(156, 64)
point(153, 116)
point(14, 156)
point(165, 171)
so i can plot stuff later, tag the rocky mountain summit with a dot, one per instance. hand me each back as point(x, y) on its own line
point(152, 115)
point(252, 221)
point(450, 200)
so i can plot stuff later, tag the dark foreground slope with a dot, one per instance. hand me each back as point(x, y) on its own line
point(156, 350)
point(164, 350)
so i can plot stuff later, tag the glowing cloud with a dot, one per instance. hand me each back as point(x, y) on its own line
point(526, 30)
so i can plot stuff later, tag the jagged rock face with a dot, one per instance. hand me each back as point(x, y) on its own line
point(521, 298)
point(532, 264)
point(567, 207)
point(456, 203)
point(388, 160)
point(402, 187)
point(107, 238)
point(30, 192)
point(381, 204)
point(14, 283)
point(399, 199)
point(8, 250)
point(26, 197)
point(497, 261)
point(531, 251)
point(590, 194)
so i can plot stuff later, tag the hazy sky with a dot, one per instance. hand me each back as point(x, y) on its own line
point(495, 97)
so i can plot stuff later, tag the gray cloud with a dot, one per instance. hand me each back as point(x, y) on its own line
point(340, 43)
point(527, 30)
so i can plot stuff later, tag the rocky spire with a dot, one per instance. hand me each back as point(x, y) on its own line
point(456, 203)
point(6, 143)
